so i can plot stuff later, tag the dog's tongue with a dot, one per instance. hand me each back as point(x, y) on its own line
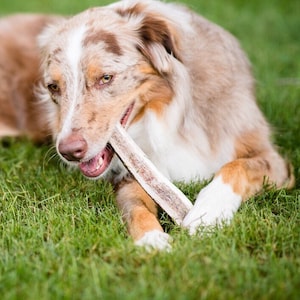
point(97, 165)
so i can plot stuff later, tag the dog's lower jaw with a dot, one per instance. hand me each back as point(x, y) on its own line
point(96, 166)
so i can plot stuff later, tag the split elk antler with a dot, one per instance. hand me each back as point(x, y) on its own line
point(159, 188)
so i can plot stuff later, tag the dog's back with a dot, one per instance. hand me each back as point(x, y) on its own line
point(20, 113)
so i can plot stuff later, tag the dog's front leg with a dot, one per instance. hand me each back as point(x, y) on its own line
point(140, 215)
point(236, 181)
point(215, 205)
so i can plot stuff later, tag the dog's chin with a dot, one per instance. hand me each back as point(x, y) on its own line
point(97, 166)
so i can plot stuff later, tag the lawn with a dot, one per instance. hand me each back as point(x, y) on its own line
point(61, 236)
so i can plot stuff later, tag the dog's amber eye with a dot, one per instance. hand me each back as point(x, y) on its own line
point(105, 79)
point(53, 88)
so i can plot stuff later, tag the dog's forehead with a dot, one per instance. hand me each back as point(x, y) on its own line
point(96, 27)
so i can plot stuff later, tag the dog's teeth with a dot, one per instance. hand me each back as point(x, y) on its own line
point(100, 162)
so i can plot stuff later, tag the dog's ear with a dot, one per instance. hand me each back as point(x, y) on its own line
point(156, 36)
point(158, 42)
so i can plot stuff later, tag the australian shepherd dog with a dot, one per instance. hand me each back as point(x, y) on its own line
point(182, 88)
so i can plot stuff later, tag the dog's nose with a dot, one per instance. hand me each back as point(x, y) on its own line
point(73, 148)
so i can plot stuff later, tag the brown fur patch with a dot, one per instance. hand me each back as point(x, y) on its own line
point(153, 30)
point(95, 37)
point(138, 209)
point(156, 99)
point(57, 51)
point(137, 9)
point(93, 72)
point(250, 144)
point(236, 174)
point(92, 118)
point(256, 162)
point(155, 93)
point(247, 176)
point(156, 30)
point(56, 75)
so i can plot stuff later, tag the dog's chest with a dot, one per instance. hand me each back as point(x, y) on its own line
point(178, 157)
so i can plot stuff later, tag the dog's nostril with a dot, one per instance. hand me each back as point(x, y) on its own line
point(73, 149)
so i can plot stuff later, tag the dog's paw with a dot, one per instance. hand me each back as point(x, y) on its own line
point(215, 205)
point(155, 240)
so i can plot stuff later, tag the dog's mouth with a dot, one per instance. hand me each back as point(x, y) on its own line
point(96, 166)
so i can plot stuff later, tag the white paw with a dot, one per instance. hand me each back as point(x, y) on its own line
point(215, 205)
point(155, 240)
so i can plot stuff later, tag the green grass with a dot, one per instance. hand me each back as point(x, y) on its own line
point(61, 236)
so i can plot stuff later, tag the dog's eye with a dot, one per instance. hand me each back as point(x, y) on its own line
point(105, 79)
point(53, 88)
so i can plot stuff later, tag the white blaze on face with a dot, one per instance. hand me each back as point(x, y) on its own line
point(73, 56)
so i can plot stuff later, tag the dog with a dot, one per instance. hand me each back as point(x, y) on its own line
point(20, 113)
point(182, 88)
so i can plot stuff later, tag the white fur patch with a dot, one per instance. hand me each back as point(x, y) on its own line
point(155, 240)
point(177, 158)
point(215, 205)
point(74, 49)
point(73, 54)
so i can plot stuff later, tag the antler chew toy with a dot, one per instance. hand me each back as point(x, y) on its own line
point(159, 188)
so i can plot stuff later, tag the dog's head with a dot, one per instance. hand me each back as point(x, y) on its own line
point(104, 66)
